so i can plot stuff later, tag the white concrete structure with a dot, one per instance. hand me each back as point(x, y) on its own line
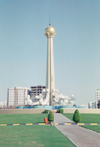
point(49, 95)
point(50, 83)
point(28, 101)
point(97, 97)
point(16, 96)
point(43, 99)
point(3, 104)
point(91, 105)
point(65, 100)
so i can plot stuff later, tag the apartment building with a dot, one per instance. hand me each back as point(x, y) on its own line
point(16, 96)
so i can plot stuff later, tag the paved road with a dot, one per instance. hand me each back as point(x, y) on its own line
point(80, 136)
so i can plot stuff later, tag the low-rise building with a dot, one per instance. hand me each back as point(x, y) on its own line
point(36, 90)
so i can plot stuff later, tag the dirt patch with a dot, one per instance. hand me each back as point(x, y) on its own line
point(28, 143)
point(16, 136)
point(34, 142)
point(40, 144)
point(1, 141)
point(19, 142)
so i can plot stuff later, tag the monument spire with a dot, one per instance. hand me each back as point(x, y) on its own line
point(50, 83)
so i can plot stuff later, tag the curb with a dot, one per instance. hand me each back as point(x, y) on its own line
point(52, 124)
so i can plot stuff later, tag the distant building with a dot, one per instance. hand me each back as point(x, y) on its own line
point(83, 106)
point(36, 90)
point(16, 96)
point(98, 104)
point(3, 104)
point(91, 105)
point(97, 97)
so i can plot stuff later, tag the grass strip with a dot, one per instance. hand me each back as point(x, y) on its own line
point(85, 118)
point(94, 128)
point(32, 136)
point(22, 118)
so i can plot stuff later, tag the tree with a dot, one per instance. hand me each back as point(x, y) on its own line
point(50, 116)
point(61, 111)
point(76, 116)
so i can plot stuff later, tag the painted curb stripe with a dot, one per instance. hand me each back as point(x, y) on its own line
point(56, 124)
point(3, 124)
point(28, 124)
point(9, 124)
point(93, 123)
point(67, 123)
point(41, 124)
point(16, 124)
point(52, 124)
point(80, 124)
point(35, 124)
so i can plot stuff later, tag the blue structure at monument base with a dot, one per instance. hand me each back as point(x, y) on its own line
point(47, 107)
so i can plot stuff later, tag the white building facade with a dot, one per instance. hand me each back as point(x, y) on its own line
point(3, 104)
point(91, 105)
point(97, 97)
point(16, 96)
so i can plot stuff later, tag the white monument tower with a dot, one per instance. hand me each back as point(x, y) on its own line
point(49, 95)
point(50, 83)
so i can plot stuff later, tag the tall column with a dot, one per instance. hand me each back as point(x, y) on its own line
point(50, 83)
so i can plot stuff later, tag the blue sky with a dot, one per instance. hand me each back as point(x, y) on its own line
point(23, 45)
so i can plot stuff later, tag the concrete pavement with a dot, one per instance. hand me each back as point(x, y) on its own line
point(79, 136)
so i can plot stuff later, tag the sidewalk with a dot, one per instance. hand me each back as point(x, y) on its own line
point(78, 135)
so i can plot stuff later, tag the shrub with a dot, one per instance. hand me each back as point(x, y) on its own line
point(50, 116)
point(46, 111)
point(76, 116)
point(61, 111)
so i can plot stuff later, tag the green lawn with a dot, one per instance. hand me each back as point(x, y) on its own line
point(85, 118)
point(94, 128)
point(30, 136)
point(22, 118)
